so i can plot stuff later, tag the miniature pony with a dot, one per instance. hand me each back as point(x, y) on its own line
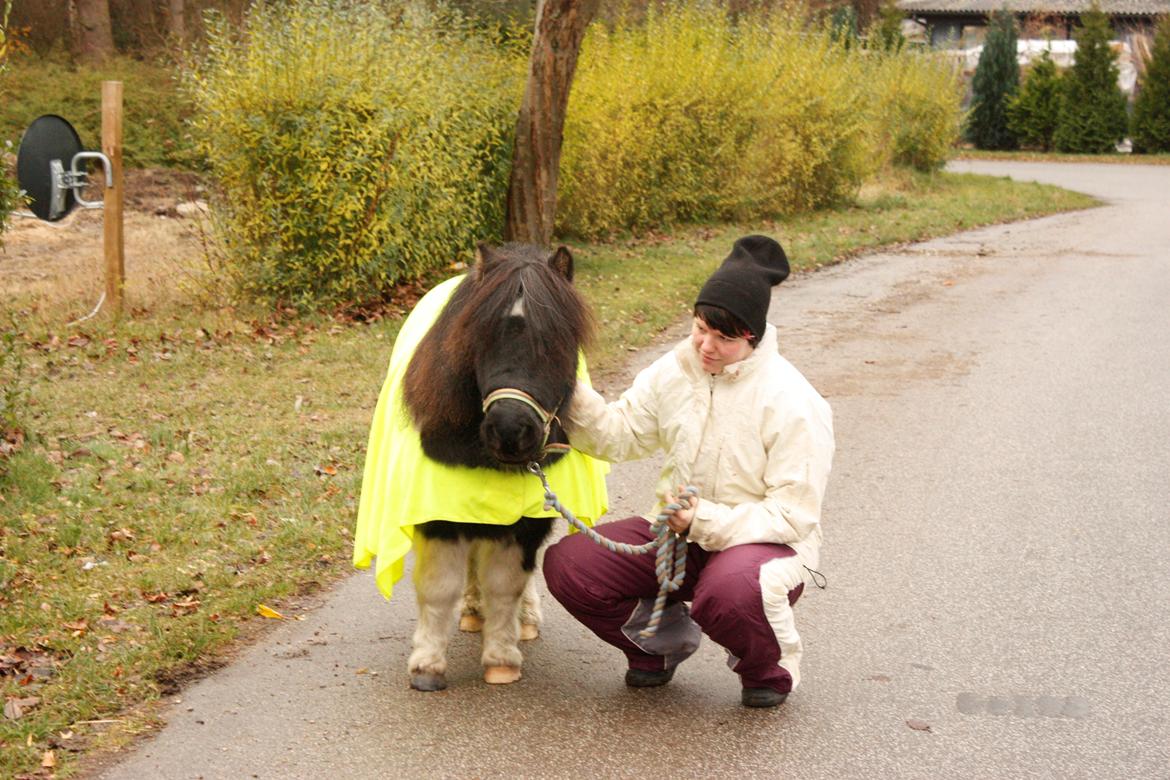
point(481, 393)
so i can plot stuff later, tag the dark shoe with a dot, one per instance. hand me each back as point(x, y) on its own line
point(640, 678)
point(762, 697)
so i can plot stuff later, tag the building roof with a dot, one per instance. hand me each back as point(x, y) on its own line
point(1111, 7)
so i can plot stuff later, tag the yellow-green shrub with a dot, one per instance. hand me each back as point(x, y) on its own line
point(353, 146)
point(688, 115)
point(917, 112)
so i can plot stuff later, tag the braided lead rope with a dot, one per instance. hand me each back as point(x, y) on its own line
point(670, 565)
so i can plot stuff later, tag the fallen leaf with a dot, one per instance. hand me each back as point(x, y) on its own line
point(185, 607)
point(176, 457)
point(121, 535)
point(269, 612)
point(49, 760)
point(14, 709)
point(918, 725)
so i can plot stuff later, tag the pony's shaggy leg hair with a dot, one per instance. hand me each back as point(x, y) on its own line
point(531, 615)
point(439, 569)
point(502, 579)
point(471, 613)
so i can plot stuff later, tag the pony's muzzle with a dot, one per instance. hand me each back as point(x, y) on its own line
point(512, 433)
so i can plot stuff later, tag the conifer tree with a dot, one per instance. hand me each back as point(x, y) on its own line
point(996, 80)
point(1151, 110)
point(1092, 115)
point(1032, 114)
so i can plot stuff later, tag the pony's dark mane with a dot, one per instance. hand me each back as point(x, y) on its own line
point(440, 391)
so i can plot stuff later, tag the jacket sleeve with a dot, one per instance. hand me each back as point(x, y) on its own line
point(799, 457)
point(626, 429)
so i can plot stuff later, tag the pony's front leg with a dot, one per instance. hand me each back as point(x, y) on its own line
point(531, 614)
point(502, 580)
point(439, 570)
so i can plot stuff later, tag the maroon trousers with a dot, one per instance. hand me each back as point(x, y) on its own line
point(611, 594)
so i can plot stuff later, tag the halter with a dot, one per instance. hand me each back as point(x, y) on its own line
point(546, 417)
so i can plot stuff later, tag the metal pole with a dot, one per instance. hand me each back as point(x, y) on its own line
point(112, 220)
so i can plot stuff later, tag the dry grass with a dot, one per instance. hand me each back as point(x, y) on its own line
point(59, 267)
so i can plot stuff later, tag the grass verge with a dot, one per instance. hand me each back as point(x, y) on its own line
point(1032, 156)
point(185, 467)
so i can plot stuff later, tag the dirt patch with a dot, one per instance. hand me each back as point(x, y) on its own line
point(61, 264)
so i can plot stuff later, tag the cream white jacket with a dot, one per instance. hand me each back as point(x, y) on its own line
point(756, 441)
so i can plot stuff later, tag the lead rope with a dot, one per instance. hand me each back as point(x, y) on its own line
point(670, 565)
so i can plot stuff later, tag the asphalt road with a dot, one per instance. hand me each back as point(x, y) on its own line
point(997, 536)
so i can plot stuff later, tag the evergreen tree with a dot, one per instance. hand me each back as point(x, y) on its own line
point(843, 26)
point(885, 33)
point(1151, 110)
point(1032, 114)
point(997, 78)
point(1092, 115)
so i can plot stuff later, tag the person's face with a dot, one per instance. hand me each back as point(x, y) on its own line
point(717, 350)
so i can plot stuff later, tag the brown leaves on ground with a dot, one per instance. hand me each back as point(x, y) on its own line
point(28, 668)
point(16, 707)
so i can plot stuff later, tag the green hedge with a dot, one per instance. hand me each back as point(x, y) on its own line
point(688, 115)
point(916, 100)
point(352, 147)
point(356, 146)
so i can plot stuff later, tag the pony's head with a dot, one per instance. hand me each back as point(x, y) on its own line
point(501, 360)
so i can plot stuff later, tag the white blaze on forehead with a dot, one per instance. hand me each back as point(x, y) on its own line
point(517, 308)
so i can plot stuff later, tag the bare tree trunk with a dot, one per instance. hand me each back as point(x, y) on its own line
point(93, 37)
point(177, 20)
point(536, 157)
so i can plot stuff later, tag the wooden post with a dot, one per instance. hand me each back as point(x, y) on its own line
point(112, 219)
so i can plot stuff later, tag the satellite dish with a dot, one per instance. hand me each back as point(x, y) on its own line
point(46, 168)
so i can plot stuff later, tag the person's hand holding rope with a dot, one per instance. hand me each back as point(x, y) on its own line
point(680, 509)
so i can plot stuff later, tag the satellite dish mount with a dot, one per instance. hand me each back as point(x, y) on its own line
point(75, 179)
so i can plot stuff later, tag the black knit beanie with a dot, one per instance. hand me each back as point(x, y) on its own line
point(742, 285)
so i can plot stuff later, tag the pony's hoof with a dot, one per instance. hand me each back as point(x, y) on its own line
point(470, 623)
point(529, 631)
point(428, 682)
point(501, 675)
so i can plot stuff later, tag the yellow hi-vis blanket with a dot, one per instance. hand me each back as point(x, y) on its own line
point(402, 487)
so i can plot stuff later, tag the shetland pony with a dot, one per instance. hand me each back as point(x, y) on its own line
point(483, 389)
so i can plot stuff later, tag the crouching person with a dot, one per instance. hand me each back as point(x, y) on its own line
point(741, 425)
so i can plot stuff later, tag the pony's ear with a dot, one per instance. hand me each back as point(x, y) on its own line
point(484, 258)
point(562, 262)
